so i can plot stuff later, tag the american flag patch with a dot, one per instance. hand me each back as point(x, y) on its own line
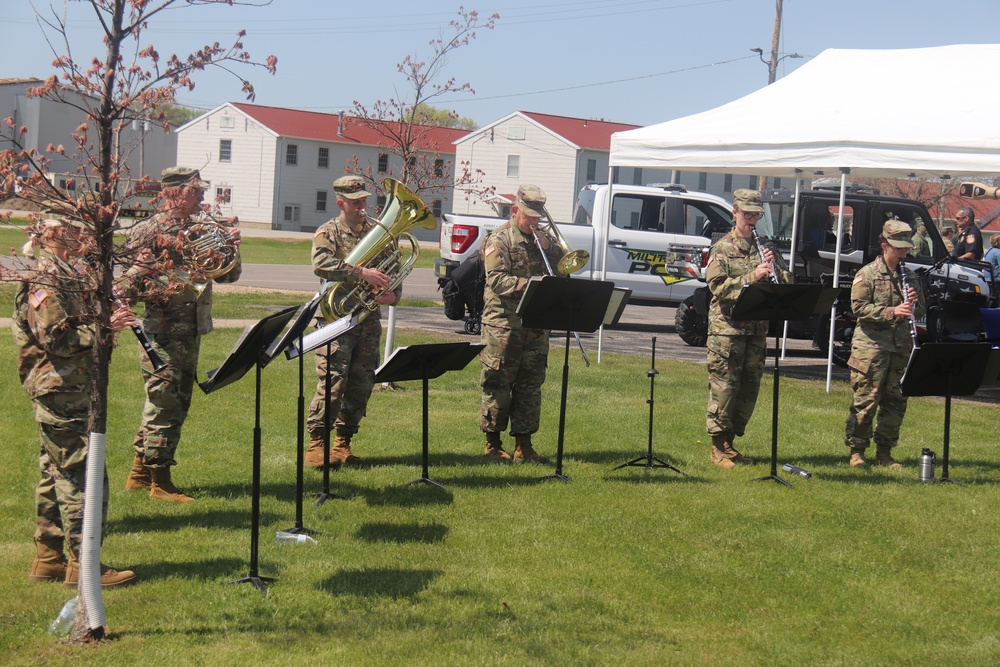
point(38, 297)
point(857, 279)
point(489, 250)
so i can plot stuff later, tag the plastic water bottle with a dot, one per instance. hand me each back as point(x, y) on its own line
point(927, 465)
point(64, 621)
point(795, 470)
point(284, 537)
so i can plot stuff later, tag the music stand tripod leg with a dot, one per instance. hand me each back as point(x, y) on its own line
point(425, 449)
point(562, 419)
point(650, 461)
point(300, 452)
point(947, 438)
point(774, 417)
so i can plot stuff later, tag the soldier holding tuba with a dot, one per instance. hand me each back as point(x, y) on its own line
point(354, 356)
point(176, 317)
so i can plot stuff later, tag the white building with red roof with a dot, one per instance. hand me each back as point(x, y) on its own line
point(276, 166)
point(561, 154)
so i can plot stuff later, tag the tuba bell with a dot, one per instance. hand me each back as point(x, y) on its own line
point(379, 249)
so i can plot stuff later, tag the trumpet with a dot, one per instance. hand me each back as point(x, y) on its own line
point(760, 249)
point(403, 211)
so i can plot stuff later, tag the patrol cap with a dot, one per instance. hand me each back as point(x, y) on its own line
point(350, 187)
point(748, 200)
point(897, 234)
point(177, 176)
point(531, 200)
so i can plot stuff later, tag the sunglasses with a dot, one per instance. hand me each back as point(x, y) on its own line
point(751, 216)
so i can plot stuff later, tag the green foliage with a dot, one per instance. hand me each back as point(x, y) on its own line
point(427, 114)
point(631, 566)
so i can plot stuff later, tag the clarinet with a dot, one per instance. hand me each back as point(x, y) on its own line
point(906, 297)
point(140, 334)
point(760, 249)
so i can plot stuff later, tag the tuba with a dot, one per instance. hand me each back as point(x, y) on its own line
point(402, 212)
point(572, 260)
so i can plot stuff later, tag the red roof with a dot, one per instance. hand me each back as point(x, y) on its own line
point(585, 133)
point(323, 127)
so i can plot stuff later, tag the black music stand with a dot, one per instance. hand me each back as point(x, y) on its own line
point(292, 338)
point(946, 369)
point(650, 461)
point(423, 362)
point(325, 335)
point(566, 305)
point(249, 352)
point(778, 303)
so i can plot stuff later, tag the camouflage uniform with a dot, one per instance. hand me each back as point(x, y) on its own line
point(737, 350)
point(514, 359)
point(879, 353)
point(354, 356)
point(175, 324)
point(54, 363)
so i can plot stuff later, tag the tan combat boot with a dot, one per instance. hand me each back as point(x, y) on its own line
point(163, 488)
point(314, 455)
point(883, 456)
point(49, 564)
point(858, 459)
point(731, 453)
point(110, 577)
point(138, 477)
point(523, 451)
point(719, 456)
point(340, 451)
point(494, 448)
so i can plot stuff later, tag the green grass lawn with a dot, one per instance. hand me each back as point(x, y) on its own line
point(638, 567)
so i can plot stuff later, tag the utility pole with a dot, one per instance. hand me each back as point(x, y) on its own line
point(772, 66)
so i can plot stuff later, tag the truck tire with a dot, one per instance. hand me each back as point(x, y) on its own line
point(691, 325)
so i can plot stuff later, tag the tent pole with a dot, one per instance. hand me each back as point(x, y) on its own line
point(604, 253)
point(844, 171)
point(792, 249)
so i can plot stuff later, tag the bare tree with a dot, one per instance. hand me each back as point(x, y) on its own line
point(407, 122)
point(130, 80)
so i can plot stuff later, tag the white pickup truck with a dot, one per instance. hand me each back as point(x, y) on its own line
point(645, 220)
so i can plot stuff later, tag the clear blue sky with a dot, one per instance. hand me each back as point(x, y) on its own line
point(633, 61)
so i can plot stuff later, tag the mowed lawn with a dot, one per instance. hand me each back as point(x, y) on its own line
point(503, 567)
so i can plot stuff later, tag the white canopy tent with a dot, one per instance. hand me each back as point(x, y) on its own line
point(927, 112)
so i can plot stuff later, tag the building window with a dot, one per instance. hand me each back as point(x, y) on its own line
point(324, 159)
point(637, 177)
point(513, 166)
point(292, 213)
point(224, 195)
point(436, 208)
point(754, 181)
point(439, 168)
point(591, 171)
point(321, 200)
point(383, 163)
point(727, 185)
point(777, 184)
point(225, 150)
point(227, 122)
point(702, 181)
point(411, 163)
point(292, 154)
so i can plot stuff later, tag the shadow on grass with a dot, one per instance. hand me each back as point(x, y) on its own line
point(401, 533)
point(645, 475)
point(202, 570)
point(443, 460)
point(154, 522)
point(483, 482)
point(379, 582)
point(407, 495)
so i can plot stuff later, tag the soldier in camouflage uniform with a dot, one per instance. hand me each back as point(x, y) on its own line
point(176, 318)
point(737, 350)
point(354, 356)
point(514, 359)
point(54, 330)
point(881, 346)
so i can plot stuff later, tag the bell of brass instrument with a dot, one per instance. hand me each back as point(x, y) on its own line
point(572, 260)
point(403, 211)
point(209, 252)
